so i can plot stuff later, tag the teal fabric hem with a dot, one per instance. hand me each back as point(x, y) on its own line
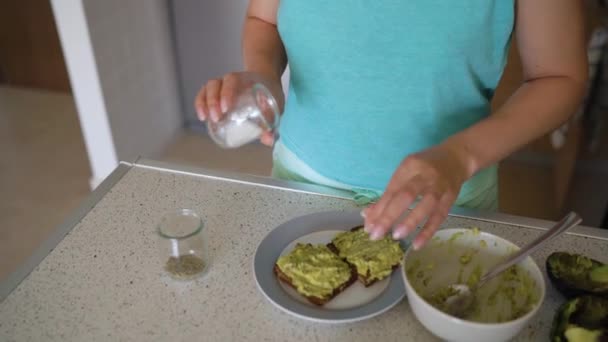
point(362, 197)
point(287, 166)
point(481, 191)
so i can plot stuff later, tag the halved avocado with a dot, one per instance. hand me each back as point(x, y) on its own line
point(582, 319)
point(575, 275)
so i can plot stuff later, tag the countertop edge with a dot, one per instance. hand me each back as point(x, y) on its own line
point(17, 276)
point(494, 217)
point(242, 178)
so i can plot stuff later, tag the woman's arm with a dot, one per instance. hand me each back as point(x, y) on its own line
point(263, 50)
point(264, 59)
point(551, 39)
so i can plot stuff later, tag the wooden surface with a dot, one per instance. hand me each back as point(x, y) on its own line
point(30, 51)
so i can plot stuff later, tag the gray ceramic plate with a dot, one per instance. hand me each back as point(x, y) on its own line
point(354, 304)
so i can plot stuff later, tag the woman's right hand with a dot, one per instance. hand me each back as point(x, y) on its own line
point(217, 96)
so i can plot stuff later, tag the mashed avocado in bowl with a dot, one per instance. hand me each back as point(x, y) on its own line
point(502, 306)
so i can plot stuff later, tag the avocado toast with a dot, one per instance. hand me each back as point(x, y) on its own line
point(373, 260)
point(315, 272)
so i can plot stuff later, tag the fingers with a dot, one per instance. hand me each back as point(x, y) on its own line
point(428, 230)
point(392, 211)
point(434, 221)
point(207, 101)
point(373, 212)
point(267, 138)
point(213, 99)
point(402, 176)
point(427, 205)
point(228, 92)
point(217, 96)
point(200, 104)
point(383, 215)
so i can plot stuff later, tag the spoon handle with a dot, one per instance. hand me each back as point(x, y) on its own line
point(571, 220)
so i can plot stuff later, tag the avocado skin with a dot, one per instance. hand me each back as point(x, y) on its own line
point(587, 312)
point(569, 287)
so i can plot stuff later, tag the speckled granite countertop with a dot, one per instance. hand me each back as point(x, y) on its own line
point(103, 280)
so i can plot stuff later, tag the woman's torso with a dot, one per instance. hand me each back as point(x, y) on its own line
point(374, 81)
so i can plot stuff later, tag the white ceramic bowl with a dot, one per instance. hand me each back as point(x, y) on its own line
point(439, 265)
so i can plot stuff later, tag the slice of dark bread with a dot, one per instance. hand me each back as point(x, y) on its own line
point(364, 278)
point(319, 300)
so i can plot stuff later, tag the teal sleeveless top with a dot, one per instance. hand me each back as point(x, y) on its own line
point(374, 81)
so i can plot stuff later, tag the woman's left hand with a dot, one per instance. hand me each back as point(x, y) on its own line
point(436, 176)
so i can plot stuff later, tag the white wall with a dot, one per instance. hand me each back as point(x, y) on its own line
point(80, 61)
point(120, 56)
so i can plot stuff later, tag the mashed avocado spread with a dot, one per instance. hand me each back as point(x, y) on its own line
point(374, 259)
point(314, 270)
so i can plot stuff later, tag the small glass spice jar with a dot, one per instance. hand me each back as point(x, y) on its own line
point(182, 245)
point(255, 111)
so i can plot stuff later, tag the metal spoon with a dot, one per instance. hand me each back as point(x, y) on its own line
point(459, 303)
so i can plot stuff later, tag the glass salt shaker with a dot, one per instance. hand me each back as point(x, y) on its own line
point(182, 245)
point(254, 112)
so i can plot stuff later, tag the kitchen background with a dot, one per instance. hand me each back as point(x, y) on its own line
point(87, 83)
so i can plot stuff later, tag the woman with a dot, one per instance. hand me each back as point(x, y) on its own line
point(390, 99)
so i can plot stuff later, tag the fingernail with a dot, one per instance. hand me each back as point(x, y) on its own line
point(368, 228)
point(224, 105)
point(399, 233)
point(214, 115)
point(371, 228)
point(417, 245)
point(375, 235)
point(362, 213)
point(199, 112)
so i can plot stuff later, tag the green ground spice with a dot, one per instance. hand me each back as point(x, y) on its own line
point(185, 266)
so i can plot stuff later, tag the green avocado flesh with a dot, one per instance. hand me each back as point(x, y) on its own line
point(577, 274)
point(578, 334)
point(599, 274)
point(582, 319)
